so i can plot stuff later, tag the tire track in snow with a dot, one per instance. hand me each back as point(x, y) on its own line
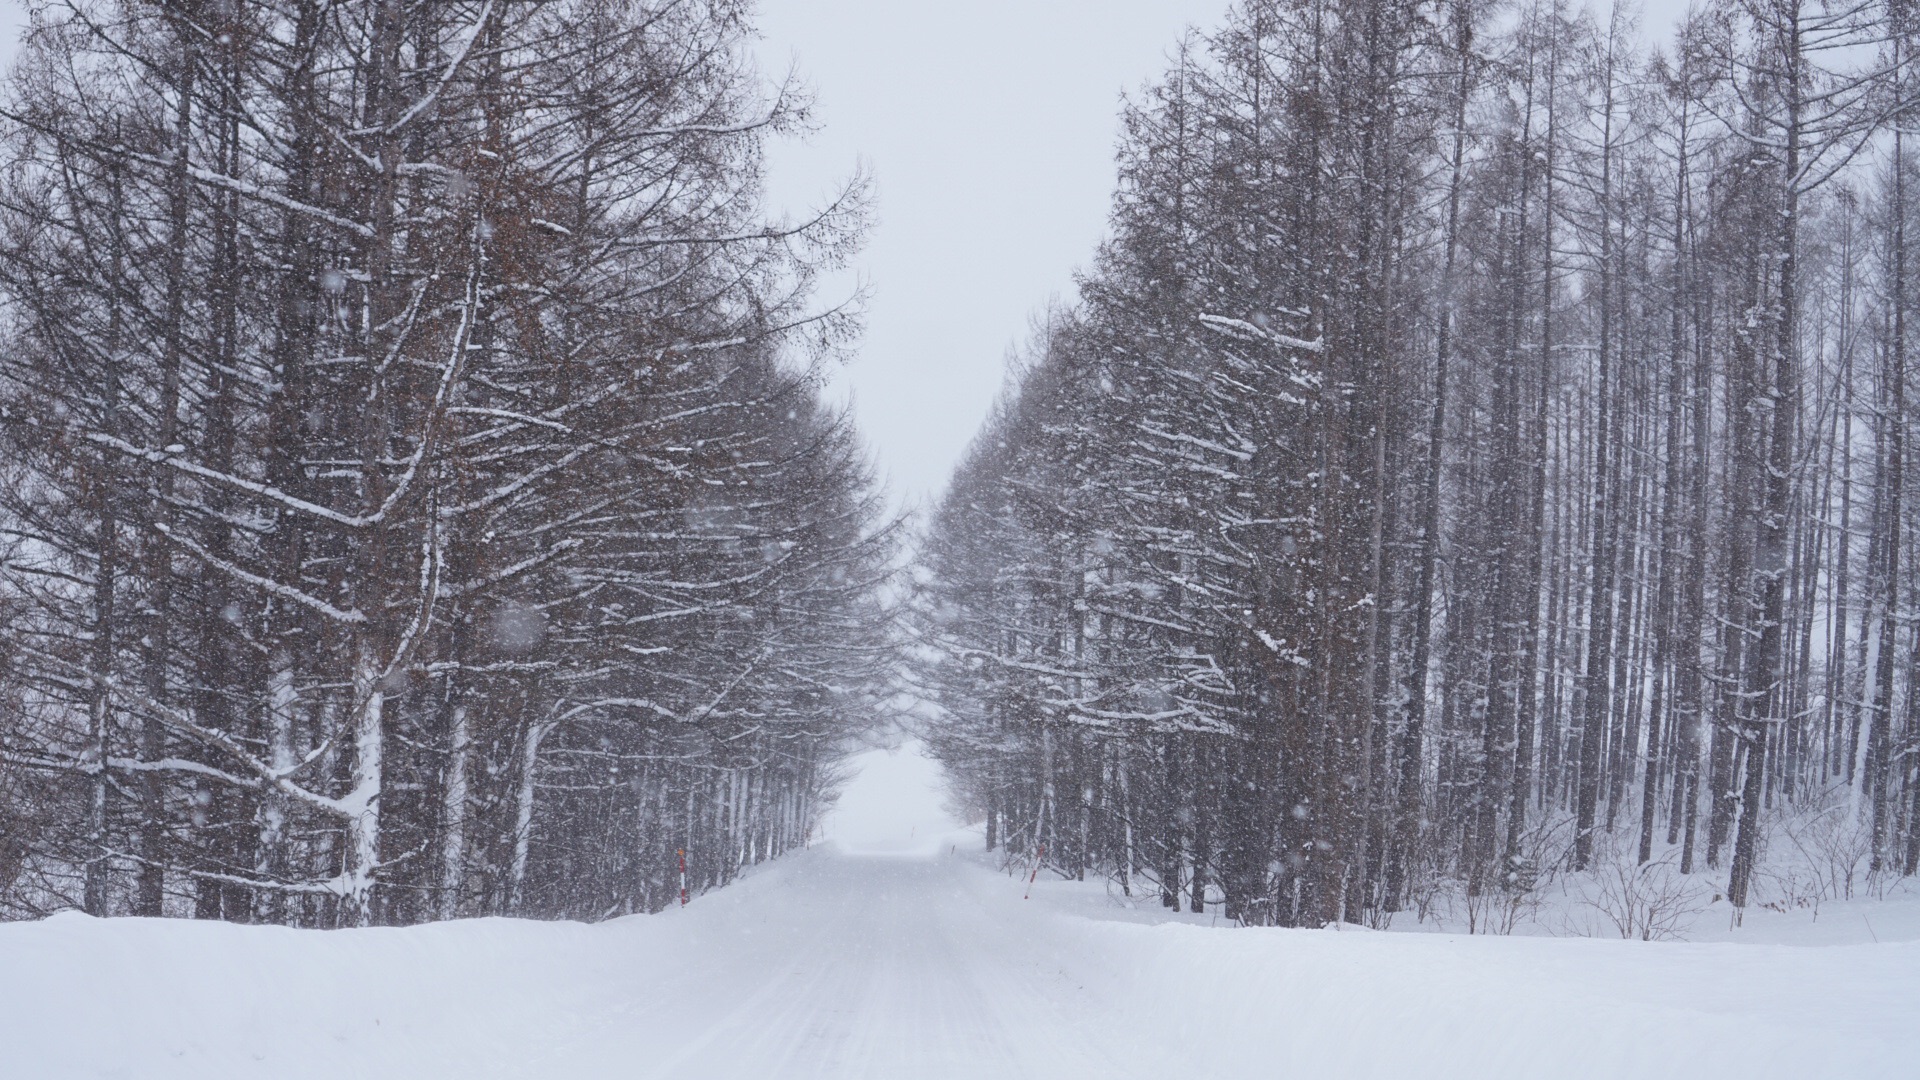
point(875, 968)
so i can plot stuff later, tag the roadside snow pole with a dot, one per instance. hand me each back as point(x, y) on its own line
point(683, 877)
point(1037, 860)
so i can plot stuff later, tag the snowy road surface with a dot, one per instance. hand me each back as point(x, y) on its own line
point(924, 966)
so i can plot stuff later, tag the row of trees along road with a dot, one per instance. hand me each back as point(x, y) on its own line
point(1478, 453)
point(418, 502)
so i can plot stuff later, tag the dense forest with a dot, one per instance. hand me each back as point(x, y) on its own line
point(418, 498)
point(1478, 457)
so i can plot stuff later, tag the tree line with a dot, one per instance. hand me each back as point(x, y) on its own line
point(418, 498)
point(1478, 453)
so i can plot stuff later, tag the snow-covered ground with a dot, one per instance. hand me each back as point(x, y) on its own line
point(892, 952)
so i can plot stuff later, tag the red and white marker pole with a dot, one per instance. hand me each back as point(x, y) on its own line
point(1037, 860)
point(683, 877)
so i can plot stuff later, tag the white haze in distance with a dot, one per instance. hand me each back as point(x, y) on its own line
point(989, 127)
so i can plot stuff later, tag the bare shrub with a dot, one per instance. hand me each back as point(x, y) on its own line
point(1649, 902)
point(1831, 849)
point(1644, 902)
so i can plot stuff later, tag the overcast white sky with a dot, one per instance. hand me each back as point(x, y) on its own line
point(989, 127)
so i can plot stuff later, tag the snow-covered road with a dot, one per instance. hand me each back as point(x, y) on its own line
point(926, 964)
point(860, 966)
point(918, 968)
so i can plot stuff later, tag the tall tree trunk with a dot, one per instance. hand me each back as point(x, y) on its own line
point(1593, 722)
point(1765, 685)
